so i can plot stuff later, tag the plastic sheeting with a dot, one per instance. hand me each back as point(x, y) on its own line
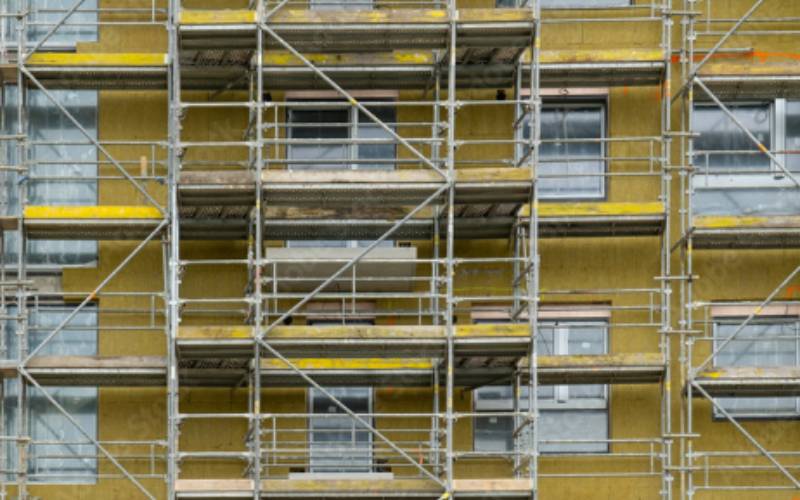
point(72, 459)
point(45, 14)
point(63, 169)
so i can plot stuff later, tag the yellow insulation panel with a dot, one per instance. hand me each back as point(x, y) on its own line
point(91, 212)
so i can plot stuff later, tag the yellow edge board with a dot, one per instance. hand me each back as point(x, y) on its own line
point(355, 331)
point(733, 221)
point(749, 372)
point(307, 485)
point(350, 364)
point(294, 16)
point(91, 212)
point(94, 59)
point(594, 209)
point(385, 58)
point(598, 56)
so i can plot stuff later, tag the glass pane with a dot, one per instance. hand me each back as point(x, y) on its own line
point(793, 136)
point(718, 133)
point(569, 167)
point(63, 169)
point(78, 337)
point(759, 345)
point(368, 129)
point(311, 124)
point(46, 14)
point(573, 431)
point(341, 4)
point(494, 433)
point(587, 340)
point(340, 444)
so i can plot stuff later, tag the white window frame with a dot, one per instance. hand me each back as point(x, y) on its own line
point(761, 320)
point(777, 109)
point(368, 448)
point(352, 127)
point(561, 400)
point(601, 102)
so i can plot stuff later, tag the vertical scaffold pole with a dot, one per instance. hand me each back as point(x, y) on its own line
point(450, 270)
point(173, 423)
point(535, 108)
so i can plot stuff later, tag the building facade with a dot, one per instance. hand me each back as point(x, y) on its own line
point(290, 249)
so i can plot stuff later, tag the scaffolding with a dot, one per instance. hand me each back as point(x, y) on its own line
point(441, 62)
point(731, 55)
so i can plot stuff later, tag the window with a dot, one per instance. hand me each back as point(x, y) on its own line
point(339, 443)
point(735, 178)
point(63, 169)
point(81, 26)
point(343, 123)
point(566, 4)
point(569, 167)
point(567, 412)
point(341, 4)
point(72, 459)
point(761, 343)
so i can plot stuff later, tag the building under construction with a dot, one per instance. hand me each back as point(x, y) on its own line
point(331, 248)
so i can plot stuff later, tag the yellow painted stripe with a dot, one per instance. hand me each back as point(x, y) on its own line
point(595, 209)
point(91, 212)
point(92, 59)
point(723, 221)
point(351, 364)
point(227, 16)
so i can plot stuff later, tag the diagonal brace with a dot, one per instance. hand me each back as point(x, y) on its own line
point(85, 434)
point(749, 134)
point(91, 139)
point(747, 321)
point(347, 410)
point(747, 435)
point(97, 290)
point(715, 48)
point(52, 31)
point(352, 100)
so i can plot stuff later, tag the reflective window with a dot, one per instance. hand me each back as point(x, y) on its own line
point(572, 150)
point(339, 443)
point(733, 177)
point(322, 139)
point(62, 168)
point(759, 344)
point(573, 418)
point(59, 453)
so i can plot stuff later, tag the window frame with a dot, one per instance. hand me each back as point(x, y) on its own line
point(602, 103)
point(370, 451)
point(353, 162)
point(553, 404)
point(772, 319)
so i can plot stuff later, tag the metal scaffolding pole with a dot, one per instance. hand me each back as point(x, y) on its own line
point(174, 272)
